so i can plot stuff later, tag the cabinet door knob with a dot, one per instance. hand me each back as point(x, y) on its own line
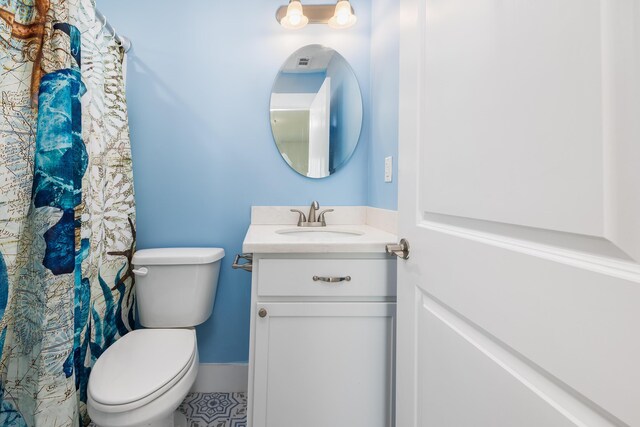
point(262, 312)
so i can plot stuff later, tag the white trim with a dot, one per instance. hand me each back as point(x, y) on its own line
point(221, 377)
point(625, 270)
point(538, 382)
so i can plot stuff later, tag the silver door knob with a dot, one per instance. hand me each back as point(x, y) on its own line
point(400, 250)
point(262, 312)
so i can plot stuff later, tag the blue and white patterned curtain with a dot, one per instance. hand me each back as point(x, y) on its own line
point(67, 213)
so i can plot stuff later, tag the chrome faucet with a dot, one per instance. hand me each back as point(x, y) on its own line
point(312, 221)
point(312, 211)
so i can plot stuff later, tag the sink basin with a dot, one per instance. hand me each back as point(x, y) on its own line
point(321, 233)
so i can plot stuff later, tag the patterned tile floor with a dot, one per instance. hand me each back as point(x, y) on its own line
point(214, 410)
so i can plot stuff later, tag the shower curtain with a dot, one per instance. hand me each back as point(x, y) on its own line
point(67, 213)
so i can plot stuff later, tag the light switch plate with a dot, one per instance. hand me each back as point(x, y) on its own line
point(388, 169)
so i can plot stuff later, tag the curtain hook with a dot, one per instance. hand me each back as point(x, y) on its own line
point(103, 20)
point(112, 31)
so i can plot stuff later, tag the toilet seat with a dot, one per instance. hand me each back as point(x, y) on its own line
point(140, 367)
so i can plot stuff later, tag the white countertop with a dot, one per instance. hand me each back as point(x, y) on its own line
point(375, 226)
point(265, 239)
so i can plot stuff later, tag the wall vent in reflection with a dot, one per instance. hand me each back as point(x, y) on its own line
point(303, 62)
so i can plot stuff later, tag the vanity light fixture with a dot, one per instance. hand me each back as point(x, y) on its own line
point(295, 16)
point(344, 17)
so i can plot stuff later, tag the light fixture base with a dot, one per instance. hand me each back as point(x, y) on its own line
point(317, 13)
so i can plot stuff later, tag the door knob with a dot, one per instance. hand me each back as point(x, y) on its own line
point(262, 312)
point(400, 250)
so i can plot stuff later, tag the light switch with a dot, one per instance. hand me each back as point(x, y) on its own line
point(388, 169)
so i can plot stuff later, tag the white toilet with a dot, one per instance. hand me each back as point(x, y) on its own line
point(144, 376)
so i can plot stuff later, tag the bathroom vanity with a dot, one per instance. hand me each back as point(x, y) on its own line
point(322, 323)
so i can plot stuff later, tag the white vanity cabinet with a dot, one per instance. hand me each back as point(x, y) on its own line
point(322, 353)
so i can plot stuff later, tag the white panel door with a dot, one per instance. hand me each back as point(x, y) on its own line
point(520, 196)
point(320, 131)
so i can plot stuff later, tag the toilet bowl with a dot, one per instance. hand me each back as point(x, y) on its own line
point(144, 376)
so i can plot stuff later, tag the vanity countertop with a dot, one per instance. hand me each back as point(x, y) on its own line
point(268, 239)
point(351, 229)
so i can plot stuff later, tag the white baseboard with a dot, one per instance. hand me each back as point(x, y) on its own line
point(218, 377)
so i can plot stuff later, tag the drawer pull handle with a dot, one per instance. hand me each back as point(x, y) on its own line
point(331, 279)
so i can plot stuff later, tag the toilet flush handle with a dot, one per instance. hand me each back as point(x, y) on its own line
point(142, 271)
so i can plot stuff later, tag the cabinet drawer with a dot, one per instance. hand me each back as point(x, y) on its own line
point(295, 277)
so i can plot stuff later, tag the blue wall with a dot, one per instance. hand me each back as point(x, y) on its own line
point(199, 82)
point(385, 68)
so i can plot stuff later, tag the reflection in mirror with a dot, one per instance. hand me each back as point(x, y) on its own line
point(316, 111)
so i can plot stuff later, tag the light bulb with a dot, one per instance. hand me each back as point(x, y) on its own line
point(295, 17)
point(343, 18)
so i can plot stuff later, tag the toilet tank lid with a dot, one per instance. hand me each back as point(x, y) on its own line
point(177, 256)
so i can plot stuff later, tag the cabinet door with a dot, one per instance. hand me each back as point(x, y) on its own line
point(324, 364)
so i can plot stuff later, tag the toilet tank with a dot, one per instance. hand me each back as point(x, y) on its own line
point(176, 287)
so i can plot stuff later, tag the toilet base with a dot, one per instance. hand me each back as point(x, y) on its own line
point(179, 419)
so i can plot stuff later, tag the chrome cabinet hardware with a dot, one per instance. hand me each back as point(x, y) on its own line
point(331, 279)
point(262, 312)
point(401, 250)
point(248, 266)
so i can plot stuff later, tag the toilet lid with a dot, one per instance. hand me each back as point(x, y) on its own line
point(141, 363)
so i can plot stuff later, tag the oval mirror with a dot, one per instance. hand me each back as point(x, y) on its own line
point(316, 111)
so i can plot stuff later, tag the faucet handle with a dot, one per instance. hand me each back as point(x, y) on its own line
point(301, 218)
point(321, 216)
